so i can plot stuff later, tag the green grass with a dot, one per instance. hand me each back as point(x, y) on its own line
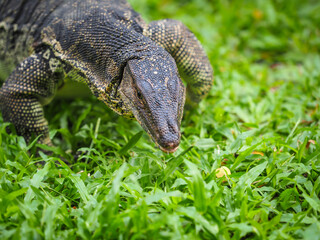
point(261, 120)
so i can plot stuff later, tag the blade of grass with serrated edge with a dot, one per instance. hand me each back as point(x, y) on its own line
point(172, 165)
point(316, 186)
point(30, 145)
point(116, 183)
point(313, 201)
point(112, 198)
point(48, 218)
point(95, 135)
point(312, 157)
point(293, 130)
point(245, 153)
point(156, 197)
point(79, 184)
point(40, 195)
point(13, 195)
point(64, 165)
point(36, 180)
point(248, 178)
point(192, 213)
point(302, 148)
point(132, 142)
point(81, 118)
point(16, 165)
point(27, 212)
point(198, 189)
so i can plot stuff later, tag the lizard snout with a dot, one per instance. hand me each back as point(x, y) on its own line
point(169, 140)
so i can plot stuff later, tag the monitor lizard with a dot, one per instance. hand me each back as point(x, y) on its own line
point(128, 64)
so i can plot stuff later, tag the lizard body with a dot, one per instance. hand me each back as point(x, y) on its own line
point(126, 63)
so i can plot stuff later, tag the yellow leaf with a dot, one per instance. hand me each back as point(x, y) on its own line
point(223, 171)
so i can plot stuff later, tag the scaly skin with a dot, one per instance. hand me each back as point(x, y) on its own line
point(129, 65)
point(188, 53)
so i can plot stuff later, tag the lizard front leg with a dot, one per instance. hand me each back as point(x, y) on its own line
point(188, 53)
point(30, 86)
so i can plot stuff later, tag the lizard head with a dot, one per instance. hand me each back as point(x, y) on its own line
point(152, 89)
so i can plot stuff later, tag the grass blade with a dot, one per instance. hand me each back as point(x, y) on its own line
point(197, 186)
point(79, 184)
point(36, 180)
point(132, 142)
point(172, 165)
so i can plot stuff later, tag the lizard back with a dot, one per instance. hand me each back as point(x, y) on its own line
point(22, 22)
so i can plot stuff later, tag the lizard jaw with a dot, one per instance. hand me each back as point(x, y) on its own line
point(169, 150)
point(165, 146)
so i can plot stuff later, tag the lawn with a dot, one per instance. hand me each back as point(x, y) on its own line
point(260, 120)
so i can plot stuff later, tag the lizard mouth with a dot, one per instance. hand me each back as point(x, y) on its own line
point(169, 150)
point(169, 146)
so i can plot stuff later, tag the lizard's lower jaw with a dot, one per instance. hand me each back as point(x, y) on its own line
point(169, 147)
point(169, 150)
